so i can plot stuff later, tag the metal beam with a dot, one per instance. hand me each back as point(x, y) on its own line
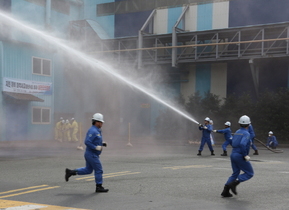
point(140, 38)
point(216, 45)
point(175, 38)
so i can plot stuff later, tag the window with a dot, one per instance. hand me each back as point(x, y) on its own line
point(40, 115)
point(41, 66)
point(46, 67)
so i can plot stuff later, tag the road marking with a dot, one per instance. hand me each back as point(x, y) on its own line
point(184, 167)
point(121, 172)
point(26, 188)
point(25, 192)
point(109, 175)
point(20, 205)
point(26, 207)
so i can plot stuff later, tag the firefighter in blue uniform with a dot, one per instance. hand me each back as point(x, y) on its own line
point(241, 143)
point(94, 145)
point(206, 137)
point(272, 141)
point(228, 137)
point(252, 136)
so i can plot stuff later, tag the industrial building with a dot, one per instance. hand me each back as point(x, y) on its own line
point(216, 46)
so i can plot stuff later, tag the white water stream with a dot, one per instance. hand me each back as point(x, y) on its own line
point(87, 59)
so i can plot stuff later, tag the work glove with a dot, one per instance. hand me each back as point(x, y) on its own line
point(200, 125)
point(98, 148)
point(247, 158)
point(215, 131)
point(205, 127)
point(104, 144)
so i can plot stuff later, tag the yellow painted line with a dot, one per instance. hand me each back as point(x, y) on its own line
point(19, 205)
point(10, 191)
point(30, 191)
point(115, 175)
point(121, 172)
point(84, 177)
point(184, 167)
point(108, 176)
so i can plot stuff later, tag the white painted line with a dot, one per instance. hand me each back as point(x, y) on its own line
point(26, 207)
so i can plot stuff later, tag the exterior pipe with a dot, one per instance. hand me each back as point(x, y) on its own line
point(48, 14)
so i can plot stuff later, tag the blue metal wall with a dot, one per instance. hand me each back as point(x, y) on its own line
point(30, 13)
point(205, 17)
point(17, 63)
point(274, 73)
point(253, 12)
point(106, 22)
point(173, 16)
point(129, 24)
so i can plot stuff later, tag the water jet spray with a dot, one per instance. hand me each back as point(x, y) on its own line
point(89, 60)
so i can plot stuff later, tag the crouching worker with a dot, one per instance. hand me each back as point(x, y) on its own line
point(272, 141)
point(241, 143)
point(94, 145)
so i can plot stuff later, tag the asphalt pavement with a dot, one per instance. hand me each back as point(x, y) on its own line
point(150, 174)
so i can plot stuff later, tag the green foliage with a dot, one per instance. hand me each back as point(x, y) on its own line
point(272, 114)
point(269, 113)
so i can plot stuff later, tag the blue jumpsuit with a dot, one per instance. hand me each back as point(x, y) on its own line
point(241, 143)
point(91, 155)
point(206, 138)
point(272, 142)
point(228, 137)
point(252, 136)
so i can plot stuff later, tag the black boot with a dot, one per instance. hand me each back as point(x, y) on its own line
point(212, 152)
point(224, 153)
point(226, 192)
point(256, 152)
point(100, 188)
point(200, 152)
point(233, 186)
point(69, 173)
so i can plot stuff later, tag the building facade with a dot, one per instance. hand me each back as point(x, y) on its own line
point(216, 46)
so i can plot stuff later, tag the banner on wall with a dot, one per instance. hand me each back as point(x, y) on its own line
point(27, 86)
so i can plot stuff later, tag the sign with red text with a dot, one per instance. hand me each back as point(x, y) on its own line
point(27, 86)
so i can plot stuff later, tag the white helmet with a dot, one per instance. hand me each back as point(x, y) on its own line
point(67, 121)
point(63, 121)
point(228, 123)
point(244, 120)
point(270, 133)
point(207, 119)
point(72, 119)
point(98, 117)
